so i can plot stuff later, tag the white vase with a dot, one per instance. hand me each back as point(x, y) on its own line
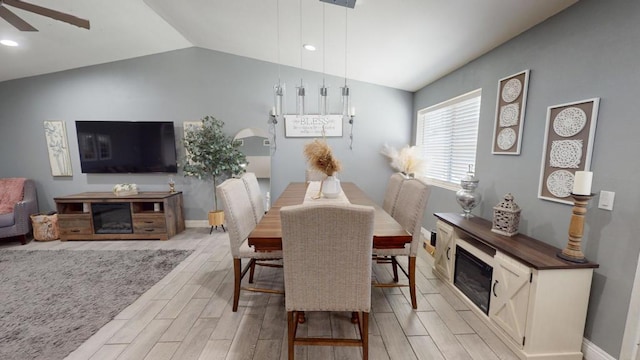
point(331, 187)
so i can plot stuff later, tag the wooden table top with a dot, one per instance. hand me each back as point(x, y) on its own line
point(387, 233)
point(530, 251)
point(104, 195)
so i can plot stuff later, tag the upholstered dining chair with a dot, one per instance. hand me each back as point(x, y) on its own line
point(255, 194)
point(240, 222)
point(409, 210)
point(313, 175)
point(391, 194)
point(327, 252)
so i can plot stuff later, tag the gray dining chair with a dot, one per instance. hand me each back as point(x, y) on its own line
point(255, 195)
point(391, 194)
point(327, 252)
point(409, 210)
point(240, 220)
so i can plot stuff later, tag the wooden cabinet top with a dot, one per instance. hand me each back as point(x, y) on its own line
point(102, 196)
point(534, 253)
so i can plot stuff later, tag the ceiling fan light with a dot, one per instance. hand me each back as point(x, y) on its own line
point(7, 42)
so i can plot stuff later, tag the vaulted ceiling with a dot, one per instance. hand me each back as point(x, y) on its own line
point(404, 44)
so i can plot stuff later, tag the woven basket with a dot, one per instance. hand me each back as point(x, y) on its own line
point(45, 227)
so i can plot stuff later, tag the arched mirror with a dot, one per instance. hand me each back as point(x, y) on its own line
point(255, 145)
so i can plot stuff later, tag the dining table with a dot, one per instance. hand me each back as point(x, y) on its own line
point(267, 235)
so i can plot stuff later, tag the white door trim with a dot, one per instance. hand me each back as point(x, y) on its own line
point(630, 350)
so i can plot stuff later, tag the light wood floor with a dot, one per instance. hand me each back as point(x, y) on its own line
point(187, 315)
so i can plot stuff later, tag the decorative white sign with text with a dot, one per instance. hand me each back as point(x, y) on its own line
point(313, 125)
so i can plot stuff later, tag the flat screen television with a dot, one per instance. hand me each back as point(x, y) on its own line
point(127, 147)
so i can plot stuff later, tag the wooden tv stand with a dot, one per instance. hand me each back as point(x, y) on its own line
point(151, 215)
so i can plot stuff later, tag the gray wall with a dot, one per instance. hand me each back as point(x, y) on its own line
point(185, 85)
point(590, 50)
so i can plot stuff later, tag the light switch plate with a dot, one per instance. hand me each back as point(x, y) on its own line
point(606, 200)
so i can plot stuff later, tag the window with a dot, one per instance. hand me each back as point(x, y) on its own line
point(447, 134)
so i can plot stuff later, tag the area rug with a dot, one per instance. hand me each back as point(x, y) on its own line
point(51, 301)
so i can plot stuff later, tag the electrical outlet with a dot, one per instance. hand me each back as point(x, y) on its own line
point(606, 200)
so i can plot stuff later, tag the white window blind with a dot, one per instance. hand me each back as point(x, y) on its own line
point(447, 135)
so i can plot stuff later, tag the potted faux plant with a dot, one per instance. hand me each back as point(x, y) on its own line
point(211, 154)
point(320, 158)
point(407, 160)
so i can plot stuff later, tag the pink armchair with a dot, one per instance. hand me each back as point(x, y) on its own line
point(18, 200)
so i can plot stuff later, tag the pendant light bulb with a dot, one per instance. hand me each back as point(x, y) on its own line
point(345, 100)
point(278, 94)
point(323, 99)
point(300, 98)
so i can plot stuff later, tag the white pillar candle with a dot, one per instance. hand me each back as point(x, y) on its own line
point(582, 182)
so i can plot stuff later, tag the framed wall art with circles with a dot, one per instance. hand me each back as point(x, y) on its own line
point(568, 146)
point(511, 103)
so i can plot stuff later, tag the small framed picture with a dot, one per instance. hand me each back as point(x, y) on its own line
point(568, 144)
point(55, 133)
point(511, 104)
point(191, 125)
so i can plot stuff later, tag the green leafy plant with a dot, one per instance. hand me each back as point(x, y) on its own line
point(211, 154)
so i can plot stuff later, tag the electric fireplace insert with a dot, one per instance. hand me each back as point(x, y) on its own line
point(112, 218)
point(473, 276)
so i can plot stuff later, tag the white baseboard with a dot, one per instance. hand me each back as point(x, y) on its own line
point(592, 352)
point(426, 234)
point(196, 223)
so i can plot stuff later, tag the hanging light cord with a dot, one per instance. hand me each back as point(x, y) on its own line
point(345, 77)
point(273, 119)
point(301, 42)
point(278, 37)
point(324, 48)
point(345, 47)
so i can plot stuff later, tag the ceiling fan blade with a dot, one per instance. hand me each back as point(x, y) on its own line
point(14, 20)
point(56, 15)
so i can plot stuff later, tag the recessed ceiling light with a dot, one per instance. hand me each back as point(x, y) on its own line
point(8, 42)
point(309, 47)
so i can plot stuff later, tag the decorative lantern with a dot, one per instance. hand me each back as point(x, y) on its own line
point(506, 217)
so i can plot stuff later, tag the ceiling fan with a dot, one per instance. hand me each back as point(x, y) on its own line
point(22, 25)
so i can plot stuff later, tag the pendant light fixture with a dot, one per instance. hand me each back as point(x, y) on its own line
point(300, 94)
point(300, 91)
point(278, 92)
point(324, 91)
point(347, 112)
point(278, 89)
point(345, 88)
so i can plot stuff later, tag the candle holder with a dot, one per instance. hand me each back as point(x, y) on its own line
point(351, 134)
point(573, 251)
point(172, 185)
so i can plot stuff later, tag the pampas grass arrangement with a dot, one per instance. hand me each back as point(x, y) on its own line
point(408, 160)
point(320, 157)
